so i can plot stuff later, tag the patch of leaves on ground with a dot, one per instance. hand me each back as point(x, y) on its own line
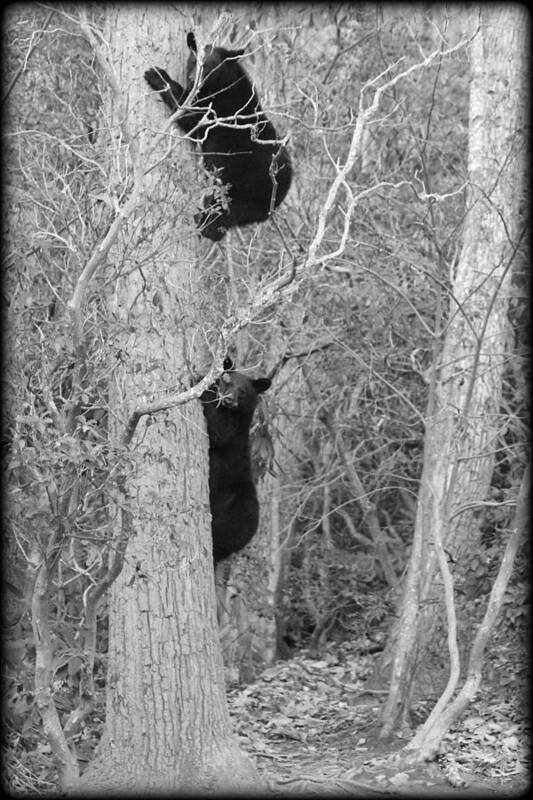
point(313, 718)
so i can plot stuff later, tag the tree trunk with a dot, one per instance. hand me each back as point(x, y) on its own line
point(427, 741)
point(463, 422)
point(167, 723)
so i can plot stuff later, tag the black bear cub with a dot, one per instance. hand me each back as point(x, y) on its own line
point(229, 405)
point(242, 152)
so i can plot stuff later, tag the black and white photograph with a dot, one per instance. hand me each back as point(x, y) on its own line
point(266, 399)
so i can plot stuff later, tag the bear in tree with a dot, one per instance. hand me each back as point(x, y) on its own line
point(228, 406)
point(239, 144)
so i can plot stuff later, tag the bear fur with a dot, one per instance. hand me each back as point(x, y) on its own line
point(229, 406)
point(250, 162)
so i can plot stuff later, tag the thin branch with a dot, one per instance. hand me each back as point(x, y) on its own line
point(365, 116)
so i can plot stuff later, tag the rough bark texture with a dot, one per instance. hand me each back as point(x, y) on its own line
point(464, 420)
point(167, 723)
point(463, 429)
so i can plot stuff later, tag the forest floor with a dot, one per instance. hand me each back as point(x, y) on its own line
point(311, 726)
point(312, 729)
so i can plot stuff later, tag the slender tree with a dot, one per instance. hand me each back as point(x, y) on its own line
point(463, 419)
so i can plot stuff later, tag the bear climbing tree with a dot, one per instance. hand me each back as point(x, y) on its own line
point(239, 143)
point(229, 406)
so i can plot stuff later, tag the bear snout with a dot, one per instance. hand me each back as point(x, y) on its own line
point(229, 401)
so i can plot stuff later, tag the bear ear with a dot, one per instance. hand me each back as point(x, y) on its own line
point(261, 385)
point(191, 42)
point(228, 364)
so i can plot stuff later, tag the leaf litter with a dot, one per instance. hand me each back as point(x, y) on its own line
point(312, 727)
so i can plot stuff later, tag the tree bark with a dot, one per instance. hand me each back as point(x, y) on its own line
point(167, 723)
point(463, 420)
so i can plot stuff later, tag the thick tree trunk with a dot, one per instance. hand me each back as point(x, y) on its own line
point(463, 422)
point(167, 723)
